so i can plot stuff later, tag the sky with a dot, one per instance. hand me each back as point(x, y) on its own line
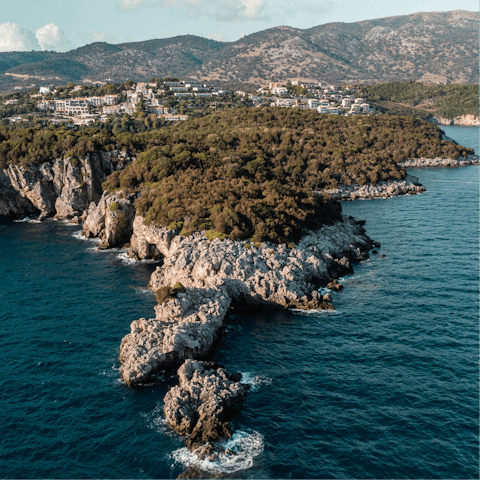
point(61, 26)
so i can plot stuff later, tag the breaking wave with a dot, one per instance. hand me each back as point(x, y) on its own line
point(244, 447)
point(255, 380)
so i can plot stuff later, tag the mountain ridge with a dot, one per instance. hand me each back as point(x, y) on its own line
point(428, 46)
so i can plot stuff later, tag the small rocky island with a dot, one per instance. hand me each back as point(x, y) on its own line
point(240, 210)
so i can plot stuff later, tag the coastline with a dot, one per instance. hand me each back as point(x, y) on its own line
point(384, 189)
point(440, 162)
point(220, 275)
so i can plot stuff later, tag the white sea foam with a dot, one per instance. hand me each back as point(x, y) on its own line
point(324, 290)
point(28, 220)
point(157, 422)
point(299, 311)
point(144, 291)
point(255, 380)
point(123, 256)
point(245, 447)
point(80, 236)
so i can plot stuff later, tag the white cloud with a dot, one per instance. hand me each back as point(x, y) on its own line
point(222, 10)
point(130, 5)
point(13, 38)
point(50, 37)
point(98, 37)
point(216, 36)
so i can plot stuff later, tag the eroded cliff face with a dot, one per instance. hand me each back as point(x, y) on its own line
point(465, 120)
point(63, 188)
point(111, 220)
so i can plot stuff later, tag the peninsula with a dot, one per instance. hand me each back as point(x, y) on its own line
point(240, 209)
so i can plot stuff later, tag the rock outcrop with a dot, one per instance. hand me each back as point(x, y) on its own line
point(385, 189)
point(63, 188)
point(199, 406)
point(465, 120)
point(110, 220)
point(221, 274)
point(440, 162)
point(12, 203)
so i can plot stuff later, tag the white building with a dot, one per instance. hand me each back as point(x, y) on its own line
point(358, 101)
point(45, 90)
point(171, 117)
point(46, 105)
point(346, 102)
point(279, 90)
point(322, 109)
point(285, 102)
point(312, 103)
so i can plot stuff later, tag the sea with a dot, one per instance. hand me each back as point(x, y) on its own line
point(385, 386)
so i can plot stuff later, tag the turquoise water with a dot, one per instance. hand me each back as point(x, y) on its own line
point(384, 387)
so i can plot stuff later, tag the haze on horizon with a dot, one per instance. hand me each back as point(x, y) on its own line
point(27, 25)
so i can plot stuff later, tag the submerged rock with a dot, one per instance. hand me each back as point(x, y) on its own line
point(199, 406)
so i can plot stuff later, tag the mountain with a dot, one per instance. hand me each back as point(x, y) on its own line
point(430, 47)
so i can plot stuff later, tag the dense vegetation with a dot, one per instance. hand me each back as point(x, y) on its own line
point(249, 173)
point(422, 100)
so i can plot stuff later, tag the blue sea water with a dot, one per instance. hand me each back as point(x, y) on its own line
point(384, 387)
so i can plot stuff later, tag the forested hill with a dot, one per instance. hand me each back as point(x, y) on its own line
point(423, 101)
point(244, 173)
point(430, 47)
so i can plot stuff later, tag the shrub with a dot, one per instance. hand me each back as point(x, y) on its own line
point(212, 234)
point(114, 207)
point(163, 294)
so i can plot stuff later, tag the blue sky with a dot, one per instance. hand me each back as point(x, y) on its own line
point(62, 25)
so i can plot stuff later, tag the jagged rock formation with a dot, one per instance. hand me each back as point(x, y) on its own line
point(110, 220)
point(63, 188)
point(200, 404)
point(392, 188)
point(12, 203)
point(440, 162)
point(220, 274)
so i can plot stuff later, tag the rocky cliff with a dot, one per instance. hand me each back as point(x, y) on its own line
point(216, 276)
point(465, 120)
point(63, 188)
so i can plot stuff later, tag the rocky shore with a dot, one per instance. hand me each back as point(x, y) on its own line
point(62, 188)
point(215, 276)
point(464, 120)
point(200, 406)
point(440, 162)
point(385, 189)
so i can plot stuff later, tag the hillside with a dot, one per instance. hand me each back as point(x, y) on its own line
point(423, 101)
point(431, 47)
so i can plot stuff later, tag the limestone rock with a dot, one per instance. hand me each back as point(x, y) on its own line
point(199, 405)
point(63, 187)
point(440, 162)
point(184, 328)
point(466, 120)
point(384, 189)
point(12, 202)
point(111, 220)
point(218, 274)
